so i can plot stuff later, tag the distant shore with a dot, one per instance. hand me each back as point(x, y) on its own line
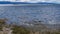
point(6, 3)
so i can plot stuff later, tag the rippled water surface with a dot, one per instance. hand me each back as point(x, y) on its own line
point(47, 13)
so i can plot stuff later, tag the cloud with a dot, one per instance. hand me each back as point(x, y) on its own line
point(58, 1)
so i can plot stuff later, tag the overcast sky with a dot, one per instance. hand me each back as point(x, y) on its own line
point(58, 1)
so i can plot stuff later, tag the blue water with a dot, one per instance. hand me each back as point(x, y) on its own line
point(49, 14)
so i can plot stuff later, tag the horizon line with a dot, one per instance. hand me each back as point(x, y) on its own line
point(8, 2)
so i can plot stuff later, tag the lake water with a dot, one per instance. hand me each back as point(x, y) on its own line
point(49, 14)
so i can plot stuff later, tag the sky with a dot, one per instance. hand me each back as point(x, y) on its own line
point(58, 1)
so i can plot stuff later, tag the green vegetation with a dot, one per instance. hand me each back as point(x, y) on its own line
point(2, 23)
point(20, 30)
point(16, 29)
point(38, 26)
point(55, 33)
point(49, 32)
